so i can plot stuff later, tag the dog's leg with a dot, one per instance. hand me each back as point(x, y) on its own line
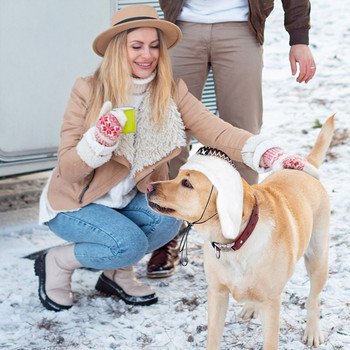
point(269, 312)
point(217, 308)
point(317, 268)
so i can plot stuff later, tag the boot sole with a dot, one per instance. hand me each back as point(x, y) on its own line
point(160, 274)
point(109, 287)
point(39, 269)
point(163, 273)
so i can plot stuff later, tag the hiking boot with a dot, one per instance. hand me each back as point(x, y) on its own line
point(163, 260)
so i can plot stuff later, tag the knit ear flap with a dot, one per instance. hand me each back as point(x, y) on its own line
point(229, 204)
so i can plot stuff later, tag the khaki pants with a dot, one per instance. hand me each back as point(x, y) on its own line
point(235, 56)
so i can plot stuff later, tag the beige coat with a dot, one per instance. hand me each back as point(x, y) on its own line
point(74, 184)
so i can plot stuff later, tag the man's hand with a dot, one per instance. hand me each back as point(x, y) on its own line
point(302, 55)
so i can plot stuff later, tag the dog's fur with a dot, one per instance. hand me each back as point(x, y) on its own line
point(294, 214)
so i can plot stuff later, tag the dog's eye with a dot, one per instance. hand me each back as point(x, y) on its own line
point(186, 183)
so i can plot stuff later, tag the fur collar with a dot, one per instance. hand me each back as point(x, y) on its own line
point(150, 143)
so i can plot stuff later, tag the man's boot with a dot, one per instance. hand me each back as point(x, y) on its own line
point(163, 260)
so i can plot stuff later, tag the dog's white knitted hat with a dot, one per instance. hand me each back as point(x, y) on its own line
point(219, 169)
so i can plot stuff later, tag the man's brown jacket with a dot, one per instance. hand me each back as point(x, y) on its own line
point(296, 17)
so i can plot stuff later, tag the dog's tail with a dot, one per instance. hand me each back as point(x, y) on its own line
point(318, 152)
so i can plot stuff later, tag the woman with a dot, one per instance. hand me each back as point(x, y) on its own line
point(95, 196)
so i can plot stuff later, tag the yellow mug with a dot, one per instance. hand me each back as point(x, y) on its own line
point(130, 125)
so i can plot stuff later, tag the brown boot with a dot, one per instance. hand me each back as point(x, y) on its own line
point(123, 283)
point(163, 260)
point(55, 270)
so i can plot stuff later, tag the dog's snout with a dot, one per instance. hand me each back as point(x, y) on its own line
point(150, 188)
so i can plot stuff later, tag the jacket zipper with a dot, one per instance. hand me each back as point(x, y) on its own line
point(86, 187)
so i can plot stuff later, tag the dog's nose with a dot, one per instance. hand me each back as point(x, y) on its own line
point(150, 188)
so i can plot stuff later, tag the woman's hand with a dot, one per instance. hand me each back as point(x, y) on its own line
point(109, 125)
point(276, 159)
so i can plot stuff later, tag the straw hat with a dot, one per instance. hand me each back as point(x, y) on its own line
point(135, 16)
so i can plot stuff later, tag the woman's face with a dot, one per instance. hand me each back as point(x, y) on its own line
point(142, 46)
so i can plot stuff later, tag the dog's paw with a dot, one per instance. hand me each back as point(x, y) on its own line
point(248, 312)
point(313, 337)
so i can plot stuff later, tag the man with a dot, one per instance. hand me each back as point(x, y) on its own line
point(228, 37)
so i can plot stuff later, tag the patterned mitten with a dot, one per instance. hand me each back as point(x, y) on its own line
point(109, 125)
point(277, 159)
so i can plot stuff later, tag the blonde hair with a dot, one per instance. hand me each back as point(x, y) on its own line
point(112, 80)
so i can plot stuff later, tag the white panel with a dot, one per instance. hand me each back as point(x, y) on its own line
point(45, 45)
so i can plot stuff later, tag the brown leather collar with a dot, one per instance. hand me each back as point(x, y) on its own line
point(242, 238)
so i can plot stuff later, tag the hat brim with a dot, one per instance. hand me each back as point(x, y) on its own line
point(172, 33)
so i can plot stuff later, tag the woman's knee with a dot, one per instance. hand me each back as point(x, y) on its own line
point(100, 244)
point(163, 233)
point(115, 254)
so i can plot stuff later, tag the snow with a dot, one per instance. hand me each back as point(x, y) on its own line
point(179, 319)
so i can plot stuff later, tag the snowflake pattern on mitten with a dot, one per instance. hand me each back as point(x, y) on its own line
point(108, 129)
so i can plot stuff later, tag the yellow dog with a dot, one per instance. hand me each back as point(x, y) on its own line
point(253, 235)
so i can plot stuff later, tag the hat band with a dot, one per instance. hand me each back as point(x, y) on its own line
point(133, 19)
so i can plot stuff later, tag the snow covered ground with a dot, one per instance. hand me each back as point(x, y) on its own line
point(179, 320)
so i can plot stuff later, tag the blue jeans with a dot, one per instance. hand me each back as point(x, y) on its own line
point(107, 239)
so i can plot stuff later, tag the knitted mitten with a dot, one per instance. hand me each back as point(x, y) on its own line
point(277, 159)
point(109, 125)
